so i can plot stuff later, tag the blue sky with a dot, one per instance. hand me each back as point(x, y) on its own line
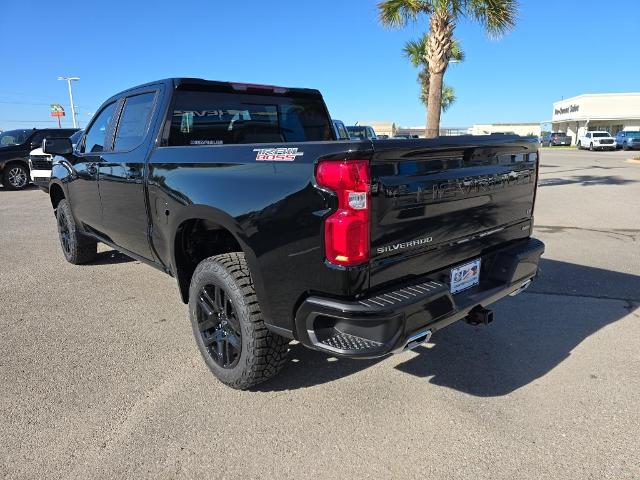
point(558, 49)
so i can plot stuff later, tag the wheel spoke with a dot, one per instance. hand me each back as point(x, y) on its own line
point(205, 306)
point(218, 326)
point(219, 299)
point(232, 339)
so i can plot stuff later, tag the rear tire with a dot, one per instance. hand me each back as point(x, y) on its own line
point(15, 176)
point(228, 325)
point(579, 145)
point(76, 247)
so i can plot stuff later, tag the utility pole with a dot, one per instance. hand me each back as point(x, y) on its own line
point(73, 108)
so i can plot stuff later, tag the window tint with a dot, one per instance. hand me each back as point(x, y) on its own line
point(36, 140)
point(357, 133)
point(97, 134)
point(342, 132)
point(133, 121)
point(202, 117)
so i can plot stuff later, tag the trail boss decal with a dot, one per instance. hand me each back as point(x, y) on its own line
point(277, 154)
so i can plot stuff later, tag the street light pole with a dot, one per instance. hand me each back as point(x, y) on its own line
point(73, 108)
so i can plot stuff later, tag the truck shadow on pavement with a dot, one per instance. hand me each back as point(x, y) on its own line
point(585, 180)
point(532, 334)
point(110, 257)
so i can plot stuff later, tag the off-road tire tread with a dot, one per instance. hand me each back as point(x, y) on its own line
point(267, 352)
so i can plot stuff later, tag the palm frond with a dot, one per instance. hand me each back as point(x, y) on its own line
point(496, 16)
point(416, 50)
point(397, 13)
point(457, 53)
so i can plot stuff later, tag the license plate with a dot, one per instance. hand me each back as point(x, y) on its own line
point(465, 276)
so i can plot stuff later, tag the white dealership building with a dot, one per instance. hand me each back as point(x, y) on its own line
point(609, 112)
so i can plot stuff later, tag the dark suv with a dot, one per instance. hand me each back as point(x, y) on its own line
point(556, 138)
point(628, 140)
point(15, 146)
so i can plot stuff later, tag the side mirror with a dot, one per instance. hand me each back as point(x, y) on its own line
point(57, 146)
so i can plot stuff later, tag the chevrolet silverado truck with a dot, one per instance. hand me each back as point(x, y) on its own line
point(275, 230)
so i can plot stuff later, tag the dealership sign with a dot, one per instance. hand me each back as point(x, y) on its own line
point(566, 110)
point(57, 110)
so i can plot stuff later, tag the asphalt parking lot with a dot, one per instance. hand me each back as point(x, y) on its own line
point(100, 376)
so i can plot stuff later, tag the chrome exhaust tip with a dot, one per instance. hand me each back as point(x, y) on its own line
point(521, 289)
point(417, 340)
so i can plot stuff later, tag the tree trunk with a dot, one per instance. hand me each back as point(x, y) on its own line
point(434, 105)
point(438, 53)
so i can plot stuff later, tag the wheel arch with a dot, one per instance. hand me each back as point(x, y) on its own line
point(56, 194)
point(203, 231)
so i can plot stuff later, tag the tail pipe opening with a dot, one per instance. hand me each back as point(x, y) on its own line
point(417, 340)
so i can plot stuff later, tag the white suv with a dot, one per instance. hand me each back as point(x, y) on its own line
point(597, 141)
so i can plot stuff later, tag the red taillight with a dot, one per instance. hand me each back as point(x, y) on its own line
point(346, 231)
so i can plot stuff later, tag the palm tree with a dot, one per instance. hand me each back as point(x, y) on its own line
point(416, 52)
point(496, 16)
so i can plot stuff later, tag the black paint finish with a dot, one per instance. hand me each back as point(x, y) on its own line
point(468, 194)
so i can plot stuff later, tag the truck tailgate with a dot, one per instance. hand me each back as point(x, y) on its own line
point(439, 202)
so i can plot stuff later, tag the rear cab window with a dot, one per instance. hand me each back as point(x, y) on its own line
point(206, 116)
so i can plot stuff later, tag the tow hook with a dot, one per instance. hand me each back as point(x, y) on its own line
point(479, 316)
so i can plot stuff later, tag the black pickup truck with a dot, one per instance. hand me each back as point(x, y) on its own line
point(275, 230)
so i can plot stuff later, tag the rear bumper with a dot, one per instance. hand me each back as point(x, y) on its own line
point(387, 320)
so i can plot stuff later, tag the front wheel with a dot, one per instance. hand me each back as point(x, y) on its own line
point(228, 326)
point(77, 248)
point(591, 147)
point(15, 177)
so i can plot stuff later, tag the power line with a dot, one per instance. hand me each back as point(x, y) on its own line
point(29, 121)
point(32, 103)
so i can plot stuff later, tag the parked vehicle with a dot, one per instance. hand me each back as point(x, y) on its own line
point(274, 231)
point(341, 131)
point(555, 139)
point(40, 164)
point(597, 141)
point(362, 133)
point(15, 146)
point(629, 140)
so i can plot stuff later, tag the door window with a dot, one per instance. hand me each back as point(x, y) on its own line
point(134, 121)
point(97, 135)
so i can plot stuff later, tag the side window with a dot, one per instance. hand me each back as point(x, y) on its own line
point(134, 121)
point(36, 140)
point(97, 135)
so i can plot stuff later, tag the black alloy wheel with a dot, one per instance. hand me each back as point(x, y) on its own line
point(219, 326)
point(228, 326)
point(64, 232)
